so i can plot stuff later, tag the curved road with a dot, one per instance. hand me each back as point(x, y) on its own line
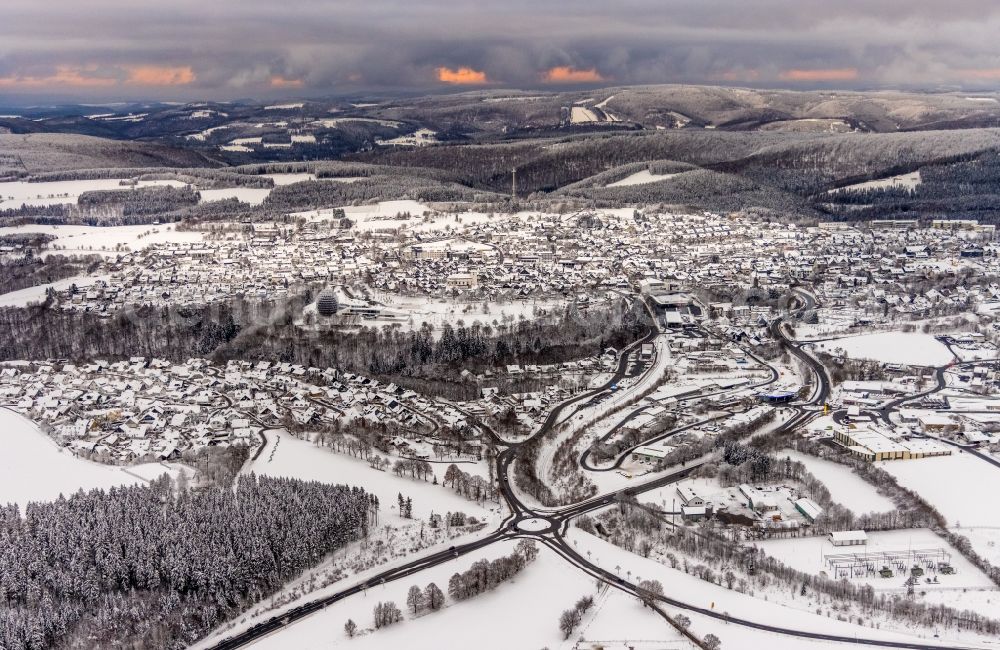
point(553, 536)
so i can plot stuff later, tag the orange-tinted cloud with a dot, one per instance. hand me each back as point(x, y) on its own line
point(277, 81)
point(77, 77)
point(159, 75)
point(567, 74)
point(989, 74)
point(461, 76)
point(831, 74)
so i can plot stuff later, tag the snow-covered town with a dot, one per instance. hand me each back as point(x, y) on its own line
point(820, 364)
point(612, 326)
point(869, 274)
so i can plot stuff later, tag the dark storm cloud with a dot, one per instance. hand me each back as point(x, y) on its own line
point(225, 48)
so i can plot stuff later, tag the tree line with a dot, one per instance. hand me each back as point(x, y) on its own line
point(247, 330)
point(470, 486)
point(484, 575)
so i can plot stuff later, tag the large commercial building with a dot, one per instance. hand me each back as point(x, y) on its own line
point(873, 445)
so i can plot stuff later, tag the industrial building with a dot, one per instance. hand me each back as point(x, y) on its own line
point(648, 454)
point(848, 538)
point(809, 509)
point(758, 500)
point(873, 445)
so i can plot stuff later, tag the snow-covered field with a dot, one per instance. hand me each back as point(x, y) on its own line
point(891, 347)
point(297, 458)
point(14, 194)
point(362, 213)
point(522, 613)
point(288, 179)
point(908, 181)
point(830, 325)
point(961, 486)
point(808, 125)
point(985, 540)
point(34, 468)
point(582, 115)
point(103, 240)
point(251, 195)
point(381, 216)
point(641, 178)
point(438, 312)
point(846, 487)
point(807, 555)
point(36, 293)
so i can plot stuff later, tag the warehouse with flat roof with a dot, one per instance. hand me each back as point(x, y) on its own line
point(873, 445)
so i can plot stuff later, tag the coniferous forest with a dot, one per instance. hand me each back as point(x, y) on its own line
point(159, 565)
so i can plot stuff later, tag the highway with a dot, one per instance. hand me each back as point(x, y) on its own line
point(623, 456)
point(559, 519)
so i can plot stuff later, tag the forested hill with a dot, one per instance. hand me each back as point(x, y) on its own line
point(720, 149)
point(157, 567)
point(808, 162)
point(38, 153)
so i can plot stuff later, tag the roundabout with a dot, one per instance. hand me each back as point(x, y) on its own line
point(534, 525)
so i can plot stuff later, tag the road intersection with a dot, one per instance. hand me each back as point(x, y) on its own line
point(549, 526)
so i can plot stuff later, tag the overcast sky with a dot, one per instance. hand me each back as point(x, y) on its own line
point(221, 49)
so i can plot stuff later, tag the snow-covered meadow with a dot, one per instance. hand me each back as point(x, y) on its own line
point(641, 178)
point(286, 455)
point(105, 240)
point(34, 468)
point(23, 297)
point(847, 488)
point(908, 181)
point(960, 486)
point(891, 347)
point(14, 194)
point(522, 613)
